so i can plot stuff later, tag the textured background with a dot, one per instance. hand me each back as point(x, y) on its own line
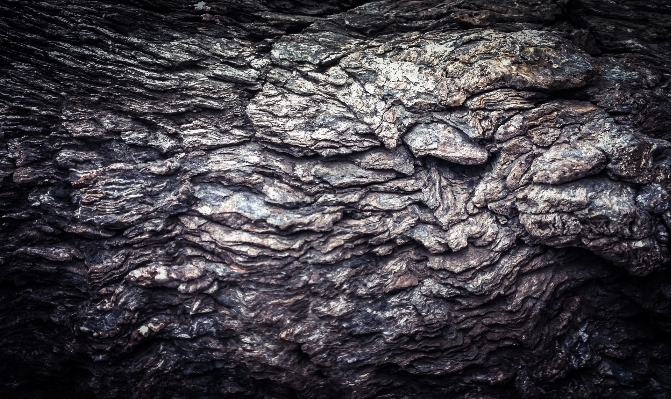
point(301, 199)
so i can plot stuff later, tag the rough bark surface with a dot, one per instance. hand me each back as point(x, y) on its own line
point(302, 199)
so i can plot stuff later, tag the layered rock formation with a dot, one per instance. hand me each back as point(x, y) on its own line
point(297, 199)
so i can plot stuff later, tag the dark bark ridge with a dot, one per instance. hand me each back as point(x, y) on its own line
point(386, 199)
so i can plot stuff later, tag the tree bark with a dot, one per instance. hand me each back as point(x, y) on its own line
point(339, 199)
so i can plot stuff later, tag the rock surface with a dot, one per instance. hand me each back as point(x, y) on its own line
point(302, 199)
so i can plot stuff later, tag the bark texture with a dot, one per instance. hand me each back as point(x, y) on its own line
point(339, 199)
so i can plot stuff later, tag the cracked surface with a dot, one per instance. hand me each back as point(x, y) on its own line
point(388, 199)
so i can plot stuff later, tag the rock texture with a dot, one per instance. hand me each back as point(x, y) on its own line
point(339, 199)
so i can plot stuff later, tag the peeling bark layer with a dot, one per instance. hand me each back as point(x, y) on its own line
point(388, 199)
